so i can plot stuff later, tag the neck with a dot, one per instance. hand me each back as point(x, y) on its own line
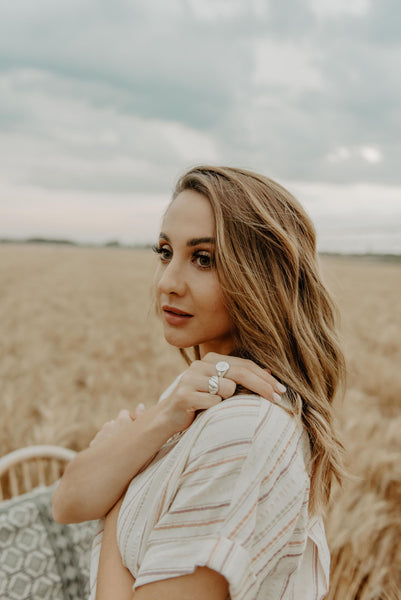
point(223, 347)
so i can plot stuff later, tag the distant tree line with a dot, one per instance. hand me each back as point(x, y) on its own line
point(40, 240)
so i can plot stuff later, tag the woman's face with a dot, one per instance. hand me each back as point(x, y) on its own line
point(188, 291)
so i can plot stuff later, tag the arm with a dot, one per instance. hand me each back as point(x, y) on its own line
point(202, 584)
point(115, 581)
point(98, 476)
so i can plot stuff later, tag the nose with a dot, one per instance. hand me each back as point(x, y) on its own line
point(171, 278)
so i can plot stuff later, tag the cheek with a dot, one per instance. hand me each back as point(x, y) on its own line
point(156, 280)
point(155, 292)
point(216, 302)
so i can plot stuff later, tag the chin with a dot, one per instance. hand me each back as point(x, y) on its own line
point(179, 343)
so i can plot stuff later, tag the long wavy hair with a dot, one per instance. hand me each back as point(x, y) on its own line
point(284, 317)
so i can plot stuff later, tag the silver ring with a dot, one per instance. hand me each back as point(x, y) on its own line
point(222, 368)
point(213, 385)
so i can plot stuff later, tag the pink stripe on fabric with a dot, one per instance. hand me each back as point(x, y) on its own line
point(217, 464)
point(265, 419)
point(222, 447)
point(198, 508)
point(276, 537)
point(187, 525)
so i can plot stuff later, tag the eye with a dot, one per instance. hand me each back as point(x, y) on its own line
point(203, 260)
point(163, 251)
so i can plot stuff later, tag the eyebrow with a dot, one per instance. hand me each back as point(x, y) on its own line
point(193, 242)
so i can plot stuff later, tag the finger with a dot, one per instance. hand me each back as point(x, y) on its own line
point(241, 371)
point(236, 363)
point(203, 401)
point(264, 374)
point(123, 414)
point(249, 375)
point(227, 388)
point(97, 437)
point(194, 381)
point(248, 379)
point(139, 410)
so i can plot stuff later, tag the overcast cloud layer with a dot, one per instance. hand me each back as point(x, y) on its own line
point(103, 104)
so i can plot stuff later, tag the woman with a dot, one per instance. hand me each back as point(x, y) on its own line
point(229, 506)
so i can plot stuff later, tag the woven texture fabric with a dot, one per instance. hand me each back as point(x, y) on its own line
point(41, 559)
point(231, 493)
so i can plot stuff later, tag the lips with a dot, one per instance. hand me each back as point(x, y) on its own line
point(175, 311)
point(175, 316)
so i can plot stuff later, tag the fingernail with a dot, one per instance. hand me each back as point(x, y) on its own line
point(276, 397)
point(281, 388)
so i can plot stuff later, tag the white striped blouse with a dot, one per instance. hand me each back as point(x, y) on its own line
point(230, 493)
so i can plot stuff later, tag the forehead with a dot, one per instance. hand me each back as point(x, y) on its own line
point(190, 214)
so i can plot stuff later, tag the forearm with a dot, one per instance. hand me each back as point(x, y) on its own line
point(113, 579)
point(97, 477)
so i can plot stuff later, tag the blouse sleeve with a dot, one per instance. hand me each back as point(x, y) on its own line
point(241, 498)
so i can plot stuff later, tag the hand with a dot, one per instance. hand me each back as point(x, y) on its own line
point(192, 391)
point(113, 427)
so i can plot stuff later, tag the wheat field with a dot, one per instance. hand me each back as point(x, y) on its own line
point(79, 341)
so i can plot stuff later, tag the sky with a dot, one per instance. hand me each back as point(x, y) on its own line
point(104, 104)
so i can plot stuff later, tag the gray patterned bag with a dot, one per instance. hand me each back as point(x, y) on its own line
point(40, 559)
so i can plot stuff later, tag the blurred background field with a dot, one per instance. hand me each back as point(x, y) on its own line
point(79, 341)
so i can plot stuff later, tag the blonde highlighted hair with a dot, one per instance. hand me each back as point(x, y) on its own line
point(284, 317)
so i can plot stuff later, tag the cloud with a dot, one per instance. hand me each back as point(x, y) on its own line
point(285, 65)
point(370, 154)
point(354, 218)
point(62, 141)
point(326, 9)
point(275, 81)
point(349, 218)
point(80, 216)
point(101, 98)
point(169, 67)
